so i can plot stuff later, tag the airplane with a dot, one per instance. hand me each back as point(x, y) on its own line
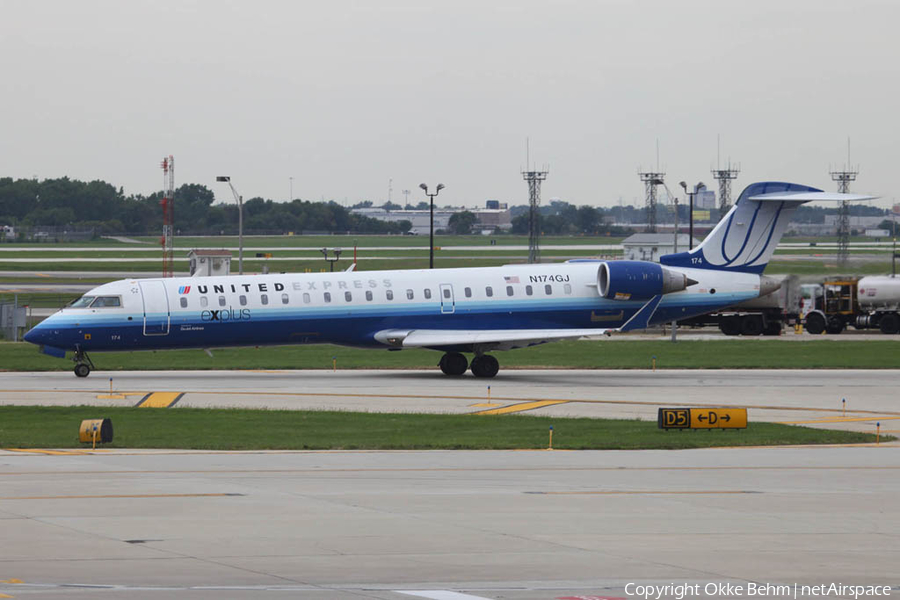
point(454, 311)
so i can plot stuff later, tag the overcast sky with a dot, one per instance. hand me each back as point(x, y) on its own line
point(344, 96)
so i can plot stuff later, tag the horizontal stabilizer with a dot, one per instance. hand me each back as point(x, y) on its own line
point(811, 197)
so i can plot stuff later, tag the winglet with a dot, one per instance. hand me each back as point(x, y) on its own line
point(641, 319)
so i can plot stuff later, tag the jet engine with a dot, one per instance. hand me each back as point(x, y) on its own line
point(638, 280)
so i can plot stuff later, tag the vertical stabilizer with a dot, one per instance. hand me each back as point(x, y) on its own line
point(745, 239)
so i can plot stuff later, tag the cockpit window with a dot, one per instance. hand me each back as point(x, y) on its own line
point(106, 301)
point(82, 302)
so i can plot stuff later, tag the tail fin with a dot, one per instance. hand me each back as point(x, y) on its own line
point(745, 239)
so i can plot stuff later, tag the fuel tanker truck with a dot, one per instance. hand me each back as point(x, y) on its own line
point(872, 302)
point(879, 299)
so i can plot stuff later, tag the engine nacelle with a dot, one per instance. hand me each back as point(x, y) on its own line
point(638, 280)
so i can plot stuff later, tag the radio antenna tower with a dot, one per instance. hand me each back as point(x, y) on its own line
point(534, 179)
point(168, 205)
point(652, 179)
point(724, 177)
point(843, 179)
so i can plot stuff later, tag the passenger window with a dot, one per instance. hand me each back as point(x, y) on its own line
point(348, 296)
point(243, 300)
point(548, 289)
point(305, 298)
point(468, 292)
point(427, 294)
point(204, 302)
point(369, 295)
point(489, 291)
point(447, 293)
point(183, 302)
point(409, 294)
point(389, 294)
point(327, 296)
point(221, 300)
point(284, 299)
point(529, 290)
point(264, 298)
point(567, 288)
point(509, 290)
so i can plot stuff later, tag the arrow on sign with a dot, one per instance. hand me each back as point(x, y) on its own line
point(727, 418)
point(702, 418)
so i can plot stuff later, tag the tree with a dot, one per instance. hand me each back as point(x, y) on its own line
point(461, 223)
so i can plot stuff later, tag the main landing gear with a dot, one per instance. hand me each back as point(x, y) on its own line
point(83, 364)
point(455, 364)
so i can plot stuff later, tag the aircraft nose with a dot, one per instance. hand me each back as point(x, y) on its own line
point(37, 335)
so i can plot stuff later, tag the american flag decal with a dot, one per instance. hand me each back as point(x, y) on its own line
point(511, 279)
point(184, 289)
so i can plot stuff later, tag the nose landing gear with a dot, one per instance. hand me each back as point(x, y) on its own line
point(83, 363)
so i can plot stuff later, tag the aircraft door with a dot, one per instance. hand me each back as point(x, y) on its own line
point(448, 301)
point(156, 307)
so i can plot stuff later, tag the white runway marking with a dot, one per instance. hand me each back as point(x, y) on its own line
point(441, 595)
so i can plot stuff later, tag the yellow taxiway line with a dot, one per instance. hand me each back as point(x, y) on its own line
point(839, 420)
point(521, 407)
point(160, 400)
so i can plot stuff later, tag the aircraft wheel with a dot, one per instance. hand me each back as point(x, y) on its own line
point(453, 363)
point(82, 370)
point(815, 323)
point(485, 366)
point(889, 324)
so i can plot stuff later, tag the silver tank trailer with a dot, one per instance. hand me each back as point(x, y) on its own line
point(879, 292)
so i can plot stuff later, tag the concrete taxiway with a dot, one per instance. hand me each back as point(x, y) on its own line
point(807, 397)
point(446, 525)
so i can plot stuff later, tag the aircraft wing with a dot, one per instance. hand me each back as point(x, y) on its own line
point(501, 339)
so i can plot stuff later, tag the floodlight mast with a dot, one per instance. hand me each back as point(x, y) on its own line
point(240, 202)
point(437, 191)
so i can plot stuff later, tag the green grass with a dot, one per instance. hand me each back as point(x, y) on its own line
point(240, 429)
point(348, 241)
point(826, 353)
point(827, 266)
point(40, 300)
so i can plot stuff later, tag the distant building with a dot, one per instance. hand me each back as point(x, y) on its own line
point(704, 198)
point(650, 246)
point(878, 233)
point(488, 218)
point(209, 263)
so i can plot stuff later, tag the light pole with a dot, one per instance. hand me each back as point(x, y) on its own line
point(240, 201)
point(291, 199)
point(337, 256)
point(691, 210)
point(437, 191)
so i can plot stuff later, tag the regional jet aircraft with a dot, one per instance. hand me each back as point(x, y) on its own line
point(455, 311)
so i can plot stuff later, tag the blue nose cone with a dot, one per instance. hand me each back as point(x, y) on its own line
point(35, 336)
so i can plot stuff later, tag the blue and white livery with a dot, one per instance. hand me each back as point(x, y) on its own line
point(455, 311)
